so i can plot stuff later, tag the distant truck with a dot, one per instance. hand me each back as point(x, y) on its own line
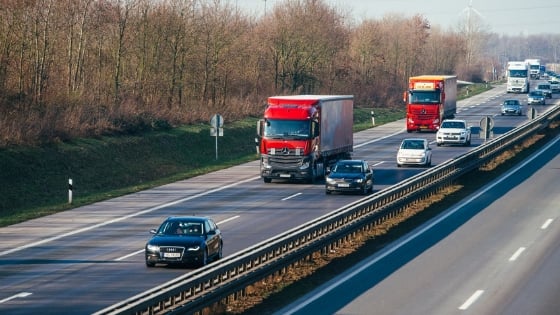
point(534, 68)
point(429, 100)
point(300, 136)
point(517, 77)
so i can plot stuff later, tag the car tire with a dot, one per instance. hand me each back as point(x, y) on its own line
point(267, 180)
point(204, 260)
point(327, 192)
point(220, 253)
point(365, 190)
point(150, 264)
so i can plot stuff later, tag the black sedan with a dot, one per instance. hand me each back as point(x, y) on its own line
point(350, 176)
point(184, 241)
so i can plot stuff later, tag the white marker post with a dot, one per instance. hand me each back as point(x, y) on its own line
point(70, 190)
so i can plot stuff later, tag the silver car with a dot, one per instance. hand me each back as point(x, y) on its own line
point(511, 107)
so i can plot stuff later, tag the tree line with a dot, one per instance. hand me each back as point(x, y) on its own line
point(82, 68)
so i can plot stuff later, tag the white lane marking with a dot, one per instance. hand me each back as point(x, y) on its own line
point(315, 296)
point(471, 300)
point(517, 254)
point(546, 224)
point(129, 255)
point(228, 219)
point(91, 227)
point(379, 139)
point(290, 197)
point(19, 295)
point(378, 163)
point(142, 250)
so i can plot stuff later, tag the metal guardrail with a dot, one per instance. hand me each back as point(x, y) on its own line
point(226, 279)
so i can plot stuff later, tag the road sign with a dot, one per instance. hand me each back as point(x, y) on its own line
point(217, 121)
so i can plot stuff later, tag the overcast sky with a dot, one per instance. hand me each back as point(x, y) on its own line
point(509, 17)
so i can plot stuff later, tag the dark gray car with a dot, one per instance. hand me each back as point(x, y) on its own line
point(350, 176)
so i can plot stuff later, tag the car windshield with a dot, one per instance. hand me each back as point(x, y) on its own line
point(452, 124)
point(536, 93)
point(181, 228)
point(347, 168)
point(511, 102)
point(413, 144)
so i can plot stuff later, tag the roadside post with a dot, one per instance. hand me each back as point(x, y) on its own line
point(70, 190)
point(373, 118)
point(486, 127)
point(217, 130)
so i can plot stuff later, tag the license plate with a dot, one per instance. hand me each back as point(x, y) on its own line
point(171, 255)
point(343, 185)
point(285, 175)
point(450, 138)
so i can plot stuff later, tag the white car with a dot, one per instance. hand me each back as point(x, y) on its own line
point(414, 151)
point(454, 131)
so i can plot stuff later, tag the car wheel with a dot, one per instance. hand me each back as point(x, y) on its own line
point(365, 189)
point(267, 180)
point(150, 264)
point(204, 260)
point(327, 192)
point(220, 253)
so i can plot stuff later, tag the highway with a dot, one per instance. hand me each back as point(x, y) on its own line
point(82, 260)
point(497, 252)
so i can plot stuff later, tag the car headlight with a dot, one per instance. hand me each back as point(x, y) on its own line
point(359, 180)
point(153, 248)
point(330, 180)
point(193, 248)
point(304, 165)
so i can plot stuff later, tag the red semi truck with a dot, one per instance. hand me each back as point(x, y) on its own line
point(429, 100)
point(301, 135)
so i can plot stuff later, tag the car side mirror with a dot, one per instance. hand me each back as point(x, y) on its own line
point(153, 231)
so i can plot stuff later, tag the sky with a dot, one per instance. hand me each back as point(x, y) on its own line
point(504, 17)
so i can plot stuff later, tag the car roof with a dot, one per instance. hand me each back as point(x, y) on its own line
point(459, 120)
point(414, 139)
point(187, 218)
point(350, 161)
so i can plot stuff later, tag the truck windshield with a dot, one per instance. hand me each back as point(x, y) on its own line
point(518, 73)
point(287, 129)
point(424, 97)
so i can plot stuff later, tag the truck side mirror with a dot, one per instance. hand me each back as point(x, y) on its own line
point(260, 126)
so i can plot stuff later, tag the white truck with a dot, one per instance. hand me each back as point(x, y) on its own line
point(534, 68)
point(518, 77)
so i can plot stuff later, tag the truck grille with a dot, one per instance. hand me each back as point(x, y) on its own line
point(285, 161)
